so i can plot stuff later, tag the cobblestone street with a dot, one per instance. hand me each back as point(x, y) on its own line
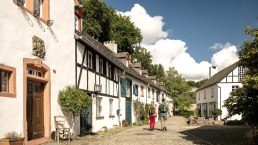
point(179, 133)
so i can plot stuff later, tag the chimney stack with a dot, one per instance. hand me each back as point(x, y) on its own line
point(212, 71)
point(111, 45)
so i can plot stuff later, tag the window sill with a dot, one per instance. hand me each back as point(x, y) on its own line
point(100, 117)
point(111, 116)
point(8, 95)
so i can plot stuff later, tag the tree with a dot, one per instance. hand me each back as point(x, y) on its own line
point(182, 103)
point(125, 33)
point(103, 23)
point(244, 100)
point(97, 19)
point(74, 100)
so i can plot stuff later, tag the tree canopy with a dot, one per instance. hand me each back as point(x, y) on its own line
point(103, 23)
point(244, 100)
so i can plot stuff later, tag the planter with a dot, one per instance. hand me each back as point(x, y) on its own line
point(6, 141)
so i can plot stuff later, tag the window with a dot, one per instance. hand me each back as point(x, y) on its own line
point(135, 90)
point(7, 81)
point(149, 93)
point(234, 88)
point(77, 23)
point(39, 9)
point(241, 70)
point(35, 72)
point(199, 95)
point(111, 107)
point(109, 71)
point(99, 107)
point(101, 66)
point(128, 91)
point(212, 92)
point(90, 60)
point(153, 94)
point(241, 77)
point(142, 91)
point(204, 94)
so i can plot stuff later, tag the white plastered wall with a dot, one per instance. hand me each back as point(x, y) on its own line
point(17, 29)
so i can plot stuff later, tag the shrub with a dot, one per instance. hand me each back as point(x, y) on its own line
point(216, 113)
point(74, 100)
point(186, 113)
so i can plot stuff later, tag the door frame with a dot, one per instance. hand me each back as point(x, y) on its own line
point(38, 65)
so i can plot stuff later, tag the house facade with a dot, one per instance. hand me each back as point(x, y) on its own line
point(121, 82)
point(35, 63)
point(212, 94)
point(42, 51)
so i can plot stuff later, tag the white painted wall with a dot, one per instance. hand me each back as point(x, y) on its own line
point(221, 93)
point(16, 44)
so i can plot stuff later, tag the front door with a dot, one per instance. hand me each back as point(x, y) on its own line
point(128, 110)
point(35, 113)
point(85, 127)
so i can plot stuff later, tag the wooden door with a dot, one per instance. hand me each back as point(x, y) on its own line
point(35, 113)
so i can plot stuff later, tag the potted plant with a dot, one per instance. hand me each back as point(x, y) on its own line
point(12, 138)
point(216, 113)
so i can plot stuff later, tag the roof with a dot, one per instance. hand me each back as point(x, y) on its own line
point(219, 76)
point(136, 65)
point(110, 56)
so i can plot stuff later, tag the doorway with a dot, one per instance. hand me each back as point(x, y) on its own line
point(35, 109)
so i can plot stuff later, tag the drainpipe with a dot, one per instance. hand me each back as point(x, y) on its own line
point(219, 99)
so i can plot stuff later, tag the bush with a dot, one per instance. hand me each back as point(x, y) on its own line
point(74, 100)
point(216, 113)
point(186, 113)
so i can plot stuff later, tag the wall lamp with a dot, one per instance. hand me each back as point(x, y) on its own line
point(20, 2)
point(50, 22)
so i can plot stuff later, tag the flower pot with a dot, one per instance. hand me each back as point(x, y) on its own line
point(6, 141)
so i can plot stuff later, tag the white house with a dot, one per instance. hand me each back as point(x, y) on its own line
point(35, 63)
point(215, 90)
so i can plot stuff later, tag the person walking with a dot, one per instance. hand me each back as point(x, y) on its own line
point(163, 109)
point(152, 115)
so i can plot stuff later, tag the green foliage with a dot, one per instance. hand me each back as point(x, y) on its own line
point(72, 99)
point(13, 136)
point(201, 82)
point(216, 113)
point(182, 103)
point(125, 33)
point(186, 113)
point(139, 110)
point(103, 23)
point(244, 100)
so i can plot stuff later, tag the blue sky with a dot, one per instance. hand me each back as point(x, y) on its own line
point(196, 24)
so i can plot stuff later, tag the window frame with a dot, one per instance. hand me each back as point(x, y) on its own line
point(11, 81)
point(99, 107)
point(90, 60)
point(44, 6)
point(111, 110)
point(101, 66)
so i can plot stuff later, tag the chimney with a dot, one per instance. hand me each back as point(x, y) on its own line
point(153, 79)
point(137, 67)
point(111, 45)
point(212, 71)
point(145, 73)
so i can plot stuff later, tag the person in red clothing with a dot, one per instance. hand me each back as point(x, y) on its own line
point(152, 115)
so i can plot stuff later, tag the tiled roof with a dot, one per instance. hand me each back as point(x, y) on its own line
point(136, 65)
point(218, 76)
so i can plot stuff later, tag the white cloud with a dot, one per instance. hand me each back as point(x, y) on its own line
point(173, 53)
point(225, 57)
point(220, 46)
point(151, 27)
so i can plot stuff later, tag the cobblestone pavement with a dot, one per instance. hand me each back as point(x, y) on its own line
point(141, 135)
